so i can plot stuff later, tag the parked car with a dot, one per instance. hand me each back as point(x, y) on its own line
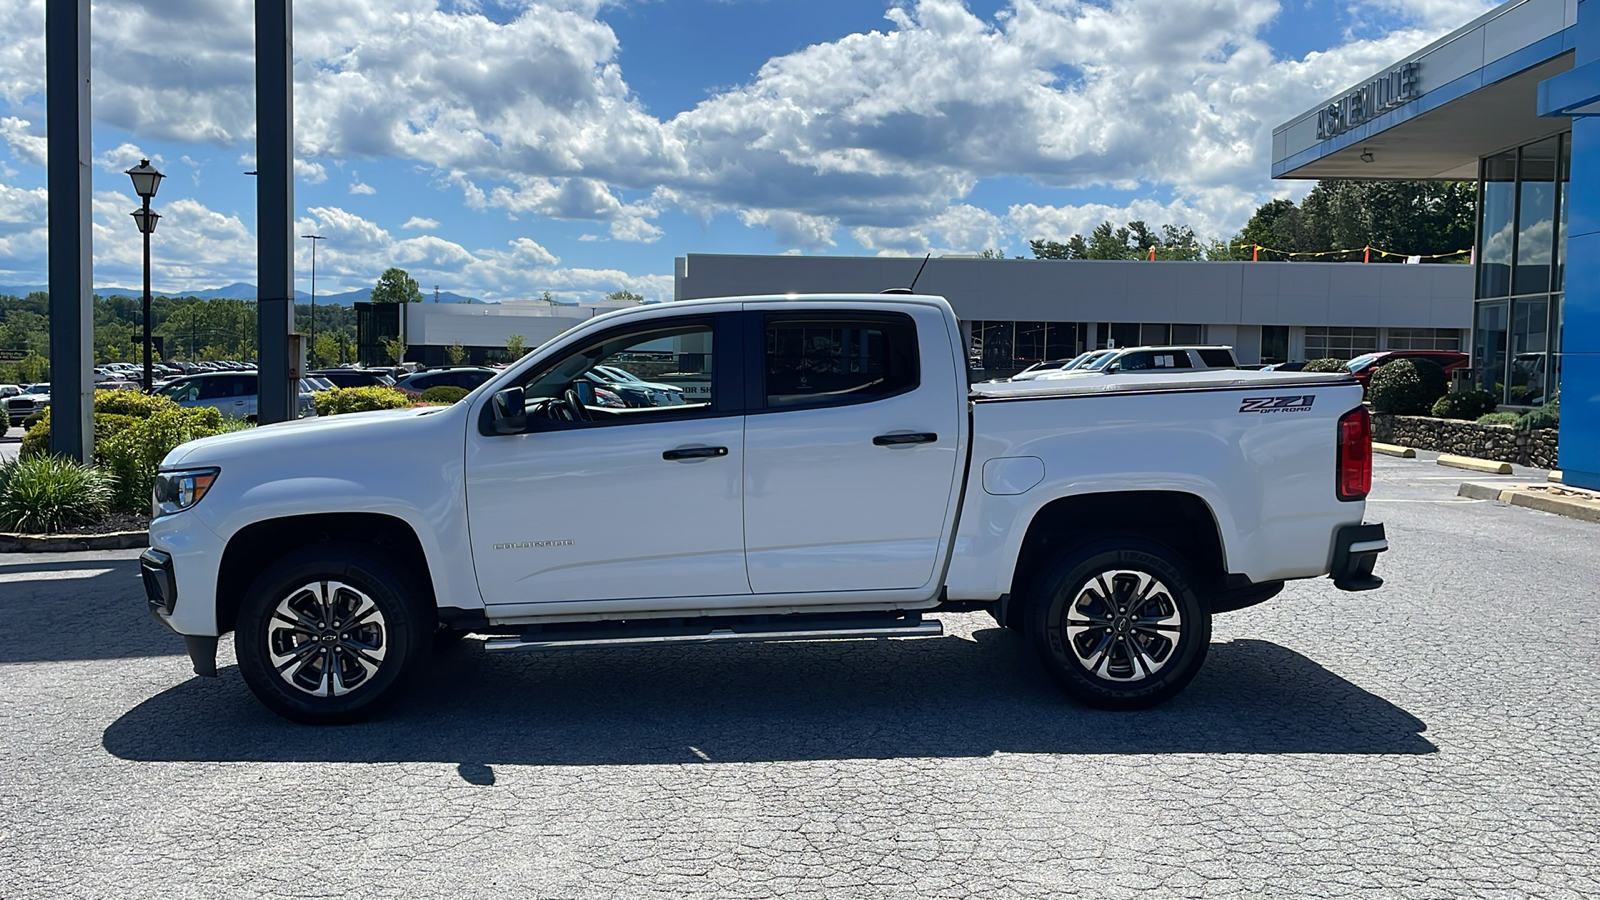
point(1045, 367)
point(350, 378)
point(464, 377)
point(1151, 360)
point(634, 391)
point(1364, 365)
point(843, 487)
point(234, 393)
point(24, 404)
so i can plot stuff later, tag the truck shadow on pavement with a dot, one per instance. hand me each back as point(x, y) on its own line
point(76, 609)
point(947, 697)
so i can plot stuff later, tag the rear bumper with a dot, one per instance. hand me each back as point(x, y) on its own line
point(1355, 554)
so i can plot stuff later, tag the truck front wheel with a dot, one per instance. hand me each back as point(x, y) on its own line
point(329, 635)
point(1119, 624)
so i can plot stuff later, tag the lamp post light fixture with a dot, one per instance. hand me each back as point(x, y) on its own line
point(146, 181)
point(313, 238)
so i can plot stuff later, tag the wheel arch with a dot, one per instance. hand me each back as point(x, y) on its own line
point(258, 545)
point(1179, 520)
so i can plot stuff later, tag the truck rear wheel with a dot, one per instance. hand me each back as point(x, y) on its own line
point(329, 635)
point(1119, 624)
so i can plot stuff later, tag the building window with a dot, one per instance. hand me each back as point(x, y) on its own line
point(1536, 213)
point(1489, 347)
point(1495, 236)
point(1188, 334)
point(1529, 342)
point(1339, 343)
point(1274, 344)
point(1565, 177)
point(1424, 339)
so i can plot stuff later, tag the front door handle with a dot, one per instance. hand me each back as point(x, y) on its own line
point(695, 453)
point(895, 440)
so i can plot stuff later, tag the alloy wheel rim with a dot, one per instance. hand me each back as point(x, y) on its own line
point(1123, 625)
point(327, 638)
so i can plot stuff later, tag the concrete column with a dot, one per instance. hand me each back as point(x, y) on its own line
point(274, 207)
point(68, 168)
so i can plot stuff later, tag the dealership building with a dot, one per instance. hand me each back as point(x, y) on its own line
point(1505, 101)
point(1015, 312)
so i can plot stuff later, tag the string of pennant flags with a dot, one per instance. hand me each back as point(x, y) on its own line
point(1366, 252)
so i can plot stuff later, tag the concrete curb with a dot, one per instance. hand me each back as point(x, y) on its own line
point(1586, 510)
point(1584, 507)
point(62, 543)
point(1393, 450)
point(1478, 491)
point(1476, 465)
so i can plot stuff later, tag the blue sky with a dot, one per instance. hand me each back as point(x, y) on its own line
point(501, 148)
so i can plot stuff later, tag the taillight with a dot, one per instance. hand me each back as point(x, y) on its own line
point(1355, 454)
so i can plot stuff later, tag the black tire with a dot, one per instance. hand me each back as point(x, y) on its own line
point(318, 670)
point(1127, 653)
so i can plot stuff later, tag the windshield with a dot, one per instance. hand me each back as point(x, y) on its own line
point(1077, 361)
point(1100, 362)
point(1361, 362)
point(37, 389)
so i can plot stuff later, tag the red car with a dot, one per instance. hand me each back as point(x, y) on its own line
point(1363, 366)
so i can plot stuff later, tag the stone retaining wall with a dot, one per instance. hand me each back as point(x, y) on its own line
point(1501, 443)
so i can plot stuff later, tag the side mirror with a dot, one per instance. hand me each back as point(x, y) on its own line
point(509, 411)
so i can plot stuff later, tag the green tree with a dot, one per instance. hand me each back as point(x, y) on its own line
point(326, 349)
point(395, 349)
point(455, 354)
point(621, 295)
point(1405, 218)
point(395, 286)
point(514, 347)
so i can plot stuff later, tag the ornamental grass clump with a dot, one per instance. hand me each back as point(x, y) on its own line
point(48, 494)
point(360, 399)
point(1498, 418)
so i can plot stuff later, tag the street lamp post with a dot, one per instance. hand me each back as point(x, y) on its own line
point(313, 238)
point(146, 180)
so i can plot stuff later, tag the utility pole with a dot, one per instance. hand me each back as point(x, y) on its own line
point(436, 293)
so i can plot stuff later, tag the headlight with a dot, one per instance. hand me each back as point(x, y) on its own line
point(177, 491)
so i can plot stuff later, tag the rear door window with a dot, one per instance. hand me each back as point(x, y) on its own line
point(1149, 360)
point(811, 360)
point(1217, 359)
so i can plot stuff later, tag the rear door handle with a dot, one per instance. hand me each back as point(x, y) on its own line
point(894, 440)
point(695, 453)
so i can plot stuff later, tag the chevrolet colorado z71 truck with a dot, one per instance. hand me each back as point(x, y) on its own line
point(829, 474)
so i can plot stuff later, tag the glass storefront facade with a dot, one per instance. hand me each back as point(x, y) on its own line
point(1521, 260)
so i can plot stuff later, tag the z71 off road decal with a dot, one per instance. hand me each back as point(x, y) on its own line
point(1294, 403)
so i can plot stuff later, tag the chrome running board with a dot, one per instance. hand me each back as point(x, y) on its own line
point(646, 633)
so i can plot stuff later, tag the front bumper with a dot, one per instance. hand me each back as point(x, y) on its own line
point(161, 595)
point(1355, 553)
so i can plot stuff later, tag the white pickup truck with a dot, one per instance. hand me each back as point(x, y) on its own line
point(831, 475)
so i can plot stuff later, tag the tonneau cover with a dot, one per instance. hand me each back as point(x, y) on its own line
point(1124, 382)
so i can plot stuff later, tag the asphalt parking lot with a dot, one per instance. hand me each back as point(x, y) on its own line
point(1436, 738)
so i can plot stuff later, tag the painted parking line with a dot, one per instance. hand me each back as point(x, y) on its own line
point(52, 575)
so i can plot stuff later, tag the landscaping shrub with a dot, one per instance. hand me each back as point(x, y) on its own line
point(46, 494)
point(1498, 418)
point(133, 432)
point(444, 393)
point(1407, 387)
point(360, 399)
point(1547, 416)
point(133, 452)
point(1469, 405)
point(1326, 365)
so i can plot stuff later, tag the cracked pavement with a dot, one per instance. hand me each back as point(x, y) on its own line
point(1436, 738)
